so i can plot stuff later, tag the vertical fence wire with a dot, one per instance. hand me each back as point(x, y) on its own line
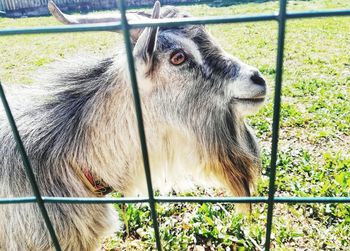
point(276, 118)
point(29, 170)
point(141, 128)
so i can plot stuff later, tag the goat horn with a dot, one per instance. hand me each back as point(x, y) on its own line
point(88, 19)
point(57, 13)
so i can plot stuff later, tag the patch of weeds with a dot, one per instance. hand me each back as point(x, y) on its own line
point(306, 87)
point(291, 115)
point(262, 122)
point(184, 226)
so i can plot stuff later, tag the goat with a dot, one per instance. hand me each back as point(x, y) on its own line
point(81, 134)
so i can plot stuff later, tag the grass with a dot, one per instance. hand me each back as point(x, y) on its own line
point(314, 153)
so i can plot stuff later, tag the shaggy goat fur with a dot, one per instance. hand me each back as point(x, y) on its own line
point(85, 120)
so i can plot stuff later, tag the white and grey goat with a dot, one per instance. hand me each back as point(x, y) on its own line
point(81, 133)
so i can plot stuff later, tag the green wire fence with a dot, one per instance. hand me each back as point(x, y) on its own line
point(124, 25)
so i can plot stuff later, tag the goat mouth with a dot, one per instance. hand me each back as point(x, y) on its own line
point(249, 100)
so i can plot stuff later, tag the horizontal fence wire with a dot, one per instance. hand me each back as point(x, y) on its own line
point(281, 17)
point(167, 199)
point(171, 23)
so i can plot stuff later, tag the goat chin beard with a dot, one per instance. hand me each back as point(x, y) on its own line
point(246, 108)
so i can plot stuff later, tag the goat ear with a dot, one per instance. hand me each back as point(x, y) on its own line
point(147, 42)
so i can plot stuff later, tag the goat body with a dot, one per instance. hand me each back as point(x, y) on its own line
point(194, 97)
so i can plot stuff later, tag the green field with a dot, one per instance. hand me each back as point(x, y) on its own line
point(314, 152)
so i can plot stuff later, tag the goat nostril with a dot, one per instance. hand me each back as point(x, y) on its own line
point(257, 79)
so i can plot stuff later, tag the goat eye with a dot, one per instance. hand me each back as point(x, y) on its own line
point(178, 57)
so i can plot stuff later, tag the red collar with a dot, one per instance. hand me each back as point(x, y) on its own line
point(92, 182)
point(97, 186)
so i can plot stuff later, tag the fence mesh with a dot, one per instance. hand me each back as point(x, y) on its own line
point(281, 17)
